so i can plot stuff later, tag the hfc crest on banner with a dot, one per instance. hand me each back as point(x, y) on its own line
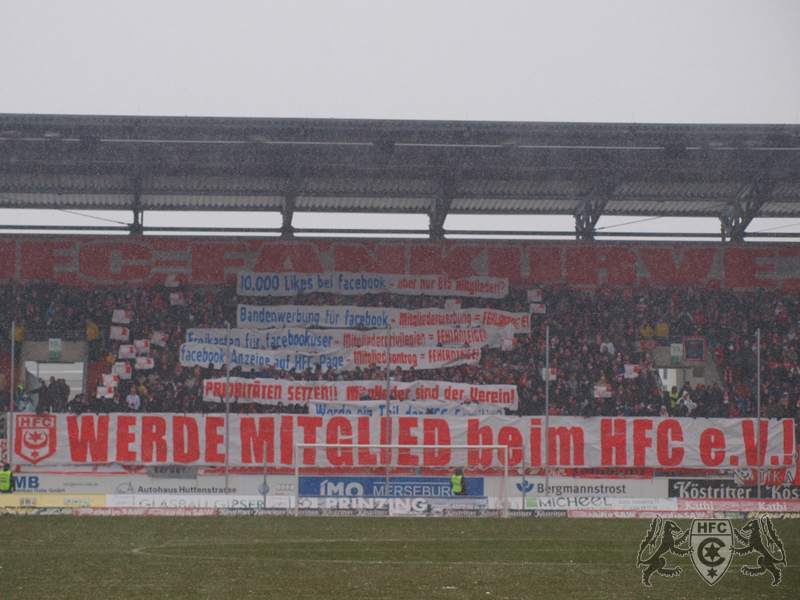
point(712, 546)
point(711, 542)
point(35, 437)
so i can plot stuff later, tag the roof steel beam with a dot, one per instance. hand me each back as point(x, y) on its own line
point(437, 216)
point(399, 167)
point(741, 211)
point(137, 226)
point(439, 209)
point(287, 231)
point(591, 209)
point(290, 202)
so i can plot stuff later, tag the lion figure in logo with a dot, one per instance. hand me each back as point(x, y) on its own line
point(760, 536)
point(662, 538)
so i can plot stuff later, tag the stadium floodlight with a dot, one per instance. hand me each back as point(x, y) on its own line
point(438, 460)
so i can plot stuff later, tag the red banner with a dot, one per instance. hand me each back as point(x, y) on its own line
point(132, 438)
point(90, 261)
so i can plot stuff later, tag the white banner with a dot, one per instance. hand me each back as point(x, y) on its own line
point(142, 346)
point(289, 284)
point(335, 339)
point(348, 317)
point(377, 408)
point(339, 360)
point(197, 439)
point(272, 391)
point(424, 337)
point(241, 338)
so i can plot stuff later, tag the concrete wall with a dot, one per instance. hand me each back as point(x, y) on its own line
point(705, 373)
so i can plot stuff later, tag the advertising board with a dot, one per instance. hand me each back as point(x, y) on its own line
point(581, 487)
point(194, 501)
point(729, 489)
point(600, 503)
point(52, 500)
point(376, 486)
point(82, 484)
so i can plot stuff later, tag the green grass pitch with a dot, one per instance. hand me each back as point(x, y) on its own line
point(353, 558)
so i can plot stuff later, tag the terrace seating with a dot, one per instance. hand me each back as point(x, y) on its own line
point(592, 337)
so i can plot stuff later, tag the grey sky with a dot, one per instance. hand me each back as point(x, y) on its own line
point(612, 61)
point(626, 61)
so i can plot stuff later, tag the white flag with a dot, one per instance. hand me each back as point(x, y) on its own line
point(631, 371)
point(142, 346)
point(122, 370)
point(123, 317)
point(452, 304)
point(142, 362)
point(538, 309)
point(122, 334)
point(176, 299)
point(602, 391)
point(553, 374)
point(105, 391)
point(127, 351)
point(159, 338)
point(110, 379)
point(534, 295)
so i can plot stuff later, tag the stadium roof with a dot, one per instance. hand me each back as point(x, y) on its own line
point(731, 172)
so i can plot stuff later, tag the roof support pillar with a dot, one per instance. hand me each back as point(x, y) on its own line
point(290, 190)
point(137, 227)
point(287, 231)
point(441, 206)
point(740, 212)
point(591, 209)
point(437, 216)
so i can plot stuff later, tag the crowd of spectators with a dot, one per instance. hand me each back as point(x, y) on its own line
point(593, 335)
